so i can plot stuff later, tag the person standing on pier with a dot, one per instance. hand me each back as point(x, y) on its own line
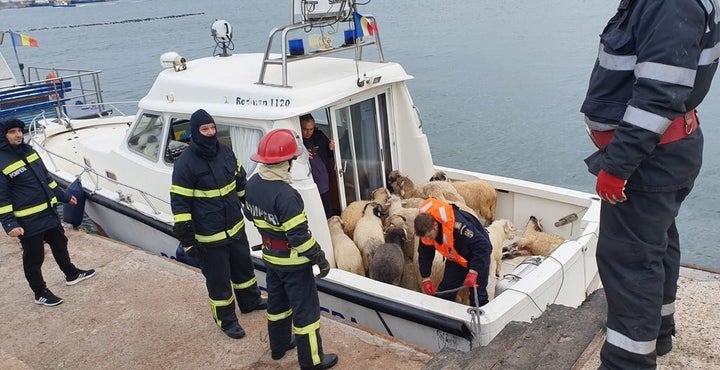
point(208, 186)
point(28, 196)
point(289, 251)
point(655, 65)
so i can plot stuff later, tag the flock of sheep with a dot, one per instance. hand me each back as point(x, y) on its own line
point(376, 237)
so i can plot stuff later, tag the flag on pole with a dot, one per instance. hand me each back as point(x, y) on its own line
point(23, 40)
point(364, 26)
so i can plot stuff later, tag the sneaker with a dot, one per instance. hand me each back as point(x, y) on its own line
point(47, 298)
point(278, 355)
point(82, 275)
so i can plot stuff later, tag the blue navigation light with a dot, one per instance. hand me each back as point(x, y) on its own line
point(296, 47)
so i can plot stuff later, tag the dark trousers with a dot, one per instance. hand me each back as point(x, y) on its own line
point(325, 198)
point(455, 277)
point(638, 256)
point(293, 303)
point(34, 256)
point(228, 268)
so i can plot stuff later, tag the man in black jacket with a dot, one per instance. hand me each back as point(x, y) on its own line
point(208, 186)
point(320, 150)
point(28, 196)
point(655, 64)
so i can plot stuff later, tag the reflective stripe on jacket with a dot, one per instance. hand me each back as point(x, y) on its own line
point(443, 213)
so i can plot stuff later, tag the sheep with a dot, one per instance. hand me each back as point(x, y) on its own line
point(479, 195)
point(398, 215)
point(536, 242)
point(410, 276)
point(412, 202)
point(406, 188)
point(499, 231)
point(388, 261)
point(368, 234)
point(354, 211)
point(347, 254)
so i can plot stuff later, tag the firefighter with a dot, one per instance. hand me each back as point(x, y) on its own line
point(208, 186)
point(289, 252)
point(655, 64)
point(462, 240)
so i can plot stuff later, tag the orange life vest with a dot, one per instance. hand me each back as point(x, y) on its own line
point(443, 213)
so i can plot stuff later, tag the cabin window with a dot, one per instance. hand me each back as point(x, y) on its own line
point(145, 137)
point(243, 141)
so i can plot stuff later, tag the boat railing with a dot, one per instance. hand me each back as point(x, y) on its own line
point(81, 87)
point(36, 129)
point(286, 58)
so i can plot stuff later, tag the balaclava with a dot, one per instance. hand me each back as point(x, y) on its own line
point(204, 146)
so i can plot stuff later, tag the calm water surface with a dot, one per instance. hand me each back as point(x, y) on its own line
point(499, 84)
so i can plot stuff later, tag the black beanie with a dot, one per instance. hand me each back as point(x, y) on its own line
point(12, 123)
point(205, 146)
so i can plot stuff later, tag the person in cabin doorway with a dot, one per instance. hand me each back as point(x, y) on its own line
point(208, 187)
point(320, 150)
point(655, 64)
point(28, 196)
point(462, 240)
point(289, 252)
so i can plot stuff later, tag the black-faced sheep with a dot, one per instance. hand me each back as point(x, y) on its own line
point(499, 231)
point(479, 195)
point(347, 254)
point(352, 213)
point(535, 242)
point(388, 261)
point(368, 234)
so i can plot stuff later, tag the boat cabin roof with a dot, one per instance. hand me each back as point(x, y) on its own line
point(228, 86)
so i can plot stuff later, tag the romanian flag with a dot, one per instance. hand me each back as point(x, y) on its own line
point(364, 26)
point(23, 40)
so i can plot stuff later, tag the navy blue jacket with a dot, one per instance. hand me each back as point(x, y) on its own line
point(28, 194)
point(470, 240)
point(656, 61)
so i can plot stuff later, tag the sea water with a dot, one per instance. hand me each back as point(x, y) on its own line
point(499, 84)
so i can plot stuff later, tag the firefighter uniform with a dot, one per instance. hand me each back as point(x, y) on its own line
point(655, 64)
point(464, 243)
point(208, 185)
point(289, 252)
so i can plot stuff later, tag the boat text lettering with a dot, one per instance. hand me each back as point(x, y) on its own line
point(273, 102)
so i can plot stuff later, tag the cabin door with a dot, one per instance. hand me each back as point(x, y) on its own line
point(362, 153)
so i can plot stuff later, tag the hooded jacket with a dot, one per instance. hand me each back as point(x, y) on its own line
point(28, 194)
point(208, 185)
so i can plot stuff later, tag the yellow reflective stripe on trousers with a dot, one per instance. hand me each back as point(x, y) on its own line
point(197, 193)
point(279, 316)
point(12, 167)
point(221, 235)
point(311, 331)
point(6, 209)
point(304, 247)
point(182, 217)
point(52, 184)
point(297, 220)
point(246, 284)
point(215, 303)
point(34, 209)
point(633, 346)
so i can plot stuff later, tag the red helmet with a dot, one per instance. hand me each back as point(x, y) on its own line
point(277, 146)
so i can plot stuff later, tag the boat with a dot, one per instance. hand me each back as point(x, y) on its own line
point(62, 4)
point(363, 103)
point(40, 3)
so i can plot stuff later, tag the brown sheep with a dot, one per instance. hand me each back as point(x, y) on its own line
point(479, 195)
point(535, 242)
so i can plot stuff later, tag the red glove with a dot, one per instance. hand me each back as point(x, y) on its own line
point(471, 279)
point(610, 188)
point(429, 287)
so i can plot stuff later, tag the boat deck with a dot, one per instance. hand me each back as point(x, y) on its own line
point(144, 311)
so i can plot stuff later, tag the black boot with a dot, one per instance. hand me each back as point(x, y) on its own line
point(261, 305)
point(234, 331)
point(329, 360)
point(663, 345)
point(279, 355)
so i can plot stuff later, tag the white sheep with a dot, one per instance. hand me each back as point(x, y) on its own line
point(352, 213)
point(499, 231)
point(388, 261)
point(368, 234)
point(347, 254)
point(479, 195)
point(535, 242)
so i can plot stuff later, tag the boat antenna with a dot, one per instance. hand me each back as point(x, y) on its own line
point(222, 33)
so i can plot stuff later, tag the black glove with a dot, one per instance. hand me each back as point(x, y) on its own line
point(196, 251)
point(318, 258)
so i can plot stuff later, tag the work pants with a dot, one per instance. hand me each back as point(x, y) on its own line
point(34, 255)
point(638, 256)
point(293, 301)
point(226, 268)
point(455, 277)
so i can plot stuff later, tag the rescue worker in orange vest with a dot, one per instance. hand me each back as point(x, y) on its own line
point(289, 252)
point(462, 240)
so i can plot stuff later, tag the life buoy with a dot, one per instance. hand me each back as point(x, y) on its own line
point(52, 77)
